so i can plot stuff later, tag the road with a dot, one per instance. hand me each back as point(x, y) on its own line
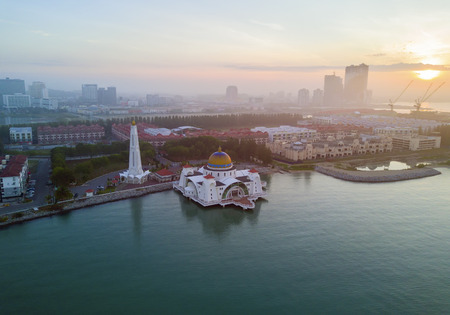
point(94, 183)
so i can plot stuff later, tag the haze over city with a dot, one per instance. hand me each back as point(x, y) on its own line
point(201, 47)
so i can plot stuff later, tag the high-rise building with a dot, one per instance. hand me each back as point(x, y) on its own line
point(107, 96)
point(332, 90)
point(317, 97)
point(355, 88)
point(303, 97)
point(231, 93)
point(89, 93)
point(10, 87)
point(38, 90)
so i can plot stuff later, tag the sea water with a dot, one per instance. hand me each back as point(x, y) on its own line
point(317, 245)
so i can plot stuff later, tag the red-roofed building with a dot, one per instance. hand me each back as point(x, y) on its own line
point(240, 134)
point(122, 132)
point(70, 134)
point(89, 193)
point(13, 175)
point(164, 175)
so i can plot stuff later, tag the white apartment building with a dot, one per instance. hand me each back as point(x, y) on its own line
point(287, 133)
point(416, 143)
point(21, 134)
point(396, 131)
point(16, 101)
point(299, 151)
point(13, 176)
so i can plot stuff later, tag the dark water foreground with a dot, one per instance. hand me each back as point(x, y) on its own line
point(319, 245)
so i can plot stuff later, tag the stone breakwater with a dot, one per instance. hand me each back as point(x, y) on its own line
point(376, 176)
point(66, 206)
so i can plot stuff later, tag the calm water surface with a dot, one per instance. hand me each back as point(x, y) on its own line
point(318, 245)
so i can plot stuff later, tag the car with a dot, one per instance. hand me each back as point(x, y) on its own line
point(35, 209)
point(99, 187)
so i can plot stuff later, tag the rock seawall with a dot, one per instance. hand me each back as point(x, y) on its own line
point(376, 176)
point(66, 206)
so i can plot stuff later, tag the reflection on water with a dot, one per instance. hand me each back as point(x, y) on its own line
point(218, 220)
point(385, 166)
point(136, 212)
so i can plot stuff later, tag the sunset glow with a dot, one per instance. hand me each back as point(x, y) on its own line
point(200, 48)
point(427, 74)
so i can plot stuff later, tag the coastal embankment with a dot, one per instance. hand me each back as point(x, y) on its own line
point(376, 176)
point(69, 205)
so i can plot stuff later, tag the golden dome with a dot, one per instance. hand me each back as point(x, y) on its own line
point(133, 123)
point(219, 160)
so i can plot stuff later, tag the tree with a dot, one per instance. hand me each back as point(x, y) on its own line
point(63, 193)
point(84, 168)
point(62, 176)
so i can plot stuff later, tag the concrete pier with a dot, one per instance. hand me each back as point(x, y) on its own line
point(376, 176)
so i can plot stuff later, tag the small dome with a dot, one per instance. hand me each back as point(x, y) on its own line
point(219, 160)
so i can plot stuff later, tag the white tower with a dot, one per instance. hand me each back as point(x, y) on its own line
point(135, 174)
point(134, 164)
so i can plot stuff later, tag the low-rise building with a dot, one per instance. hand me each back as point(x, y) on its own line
point(286, 133)
point(122, 132)
point(47, 103)
point(164, 175)
point(259, 137)
point(301, 151)
point(159, 136)
point(396, 131)
point(70, 134)
point(416, 143)
point(13, 176)
point(21, 135)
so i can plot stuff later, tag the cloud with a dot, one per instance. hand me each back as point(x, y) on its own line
point(376, 55)
point(408, 67)
point(280, 68)
point(376, 68)
point(273, 26)
point(42, 33)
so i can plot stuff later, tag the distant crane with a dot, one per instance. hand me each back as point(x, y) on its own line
point(426, 96)
point(391, 103)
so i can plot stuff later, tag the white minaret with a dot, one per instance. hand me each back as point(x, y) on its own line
point(135, 174)
point(134, 165)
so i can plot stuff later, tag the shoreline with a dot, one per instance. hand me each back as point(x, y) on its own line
point(80, 203)
point(325, 168)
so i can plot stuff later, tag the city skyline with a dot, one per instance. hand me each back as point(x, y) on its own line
point(197, 48)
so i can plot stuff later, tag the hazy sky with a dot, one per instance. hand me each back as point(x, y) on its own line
point(190, 47)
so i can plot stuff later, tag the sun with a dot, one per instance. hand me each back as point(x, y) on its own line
point(427, 74)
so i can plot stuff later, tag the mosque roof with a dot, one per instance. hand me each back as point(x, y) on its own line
point(219, 160)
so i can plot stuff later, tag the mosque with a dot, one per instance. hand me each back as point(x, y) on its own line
point(219, 183)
